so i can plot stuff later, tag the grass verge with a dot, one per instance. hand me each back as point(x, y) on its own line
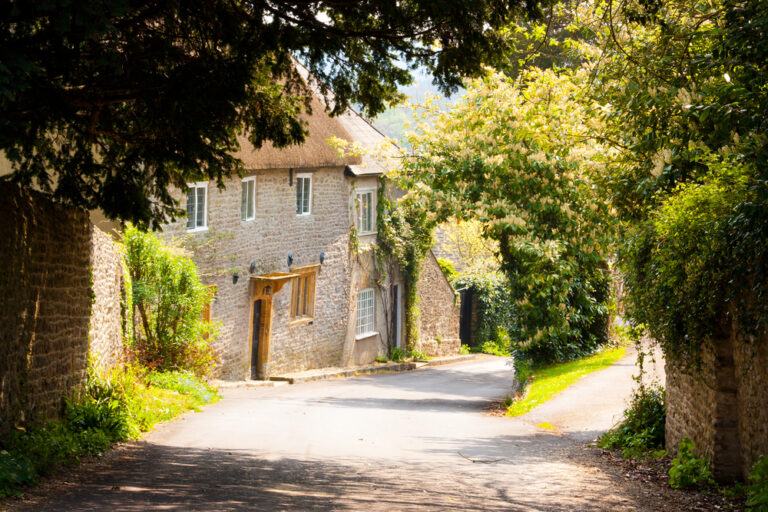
point(548, 381)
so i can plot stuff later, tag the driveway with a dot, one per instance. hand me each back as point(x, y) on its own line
point(409, 441)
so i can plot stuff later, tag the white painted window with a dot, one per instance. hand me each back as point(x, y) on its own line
point(365, 313)
point(248, 199)
point(365, 214)
point(197, 206)
point(303, 194)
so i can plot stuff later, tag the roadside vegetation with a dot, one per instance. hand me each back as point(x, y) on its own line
point(167, 358)
point(112, 408)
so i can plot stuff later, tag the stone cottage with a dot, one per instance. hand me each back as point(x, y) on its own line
point(293, 291)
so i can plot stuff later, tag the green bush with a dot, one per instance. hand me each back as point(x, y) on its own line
point(689, 471)
point(496, 311)
point(107, 415)
point(15, 472)
point(495, 348)
point(641, 430)
point(419, 355)
point(464, 349)
point(396, 354)
point(168, 298)
point(757, 491)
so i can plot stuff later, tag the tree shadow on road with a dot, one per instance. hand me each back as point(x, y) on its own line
point(155, 477)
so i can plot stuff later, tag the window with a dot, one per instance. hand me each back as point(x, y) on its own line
point(364, 215)
point(248, 199)
point(365, 313)
point(303, 295)
point(303, 194)
point(197, 199)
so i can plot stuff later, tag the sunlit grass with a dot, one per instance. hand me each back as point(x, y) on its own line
point(549, 381)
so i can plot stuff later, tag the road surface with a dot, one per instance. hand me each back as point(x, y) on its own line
point(419, 440)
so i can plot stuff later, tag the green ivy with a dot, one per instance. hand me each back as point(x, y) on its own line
point(405, 235)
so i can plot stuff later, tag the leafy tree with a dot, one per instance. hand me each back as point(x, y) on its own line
point(106, 104)
point(465, 245)
point(168, 300)
point(506, 155)
point(684, 100)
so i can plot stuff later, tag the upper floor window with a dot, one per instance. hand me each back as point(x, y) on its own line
point(303, 194)
point(365, 313)
point(303, 296)
point(365, 214)
point(197, 205)
point(248, 199)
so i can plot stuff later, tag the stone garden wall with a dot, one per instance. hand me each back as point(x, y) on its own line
point(723, 408)
point(45, 302)
point(438, 311)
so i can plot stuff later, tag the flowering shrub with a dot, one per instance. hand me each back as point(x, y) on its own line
point(514, 155)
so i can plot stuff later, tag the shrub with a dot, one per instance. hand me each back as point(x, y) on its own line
point(464, 349)
point(757, 491)
point(396, 354)
point(495, 348)
point(496, 311)
point(168, 297)
point(641, 429)
point(689, 471)
point(15, 472)
point(419, 355)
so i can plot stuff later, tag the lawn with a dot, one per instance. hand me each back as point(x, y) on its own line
point(550, 380)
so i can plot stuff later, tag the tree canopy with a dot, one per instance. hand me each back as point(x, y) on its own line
point(684, 99)
point(515, 155)
point(106, 104)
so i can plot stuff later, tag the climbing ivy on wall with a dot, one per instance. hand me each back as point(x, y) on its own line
point(405, 235)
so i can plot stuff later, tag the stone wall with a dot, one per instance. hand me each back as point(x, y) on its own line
point(106, 327)
point(229, 245)
point(723, 407)
point(690, 398)
point(751, 370)
point(439, 311)
point(45, 301)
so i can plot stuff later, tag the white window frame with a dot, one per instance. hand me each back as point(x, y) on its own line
point(366, 313)
point(244, 190)
point(195, 186)
point(359, 210)
point(300, 209)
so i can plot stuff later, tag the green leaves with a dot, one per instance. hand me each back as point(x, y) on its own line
point(108, 104)
point(168, 298)
point(520, 157)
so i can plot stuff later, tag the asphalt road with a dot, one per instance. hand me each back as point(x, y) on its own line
point(409, 441)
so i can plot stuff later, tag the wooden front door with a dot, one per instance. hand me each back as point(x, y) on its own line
point(255, 337)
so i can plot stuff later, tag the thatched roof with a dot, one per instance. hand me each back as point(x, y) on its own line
point(314, 152)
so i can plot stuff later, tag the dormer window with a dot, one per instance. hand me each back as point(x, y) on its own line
point(365, 213)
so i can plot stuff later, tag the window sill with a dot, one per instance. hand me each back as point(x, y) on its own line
point(366, 335)
point(367, 233)
point(304, 214)
point(243, 221)
point(198, 230)
point(301, 321)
